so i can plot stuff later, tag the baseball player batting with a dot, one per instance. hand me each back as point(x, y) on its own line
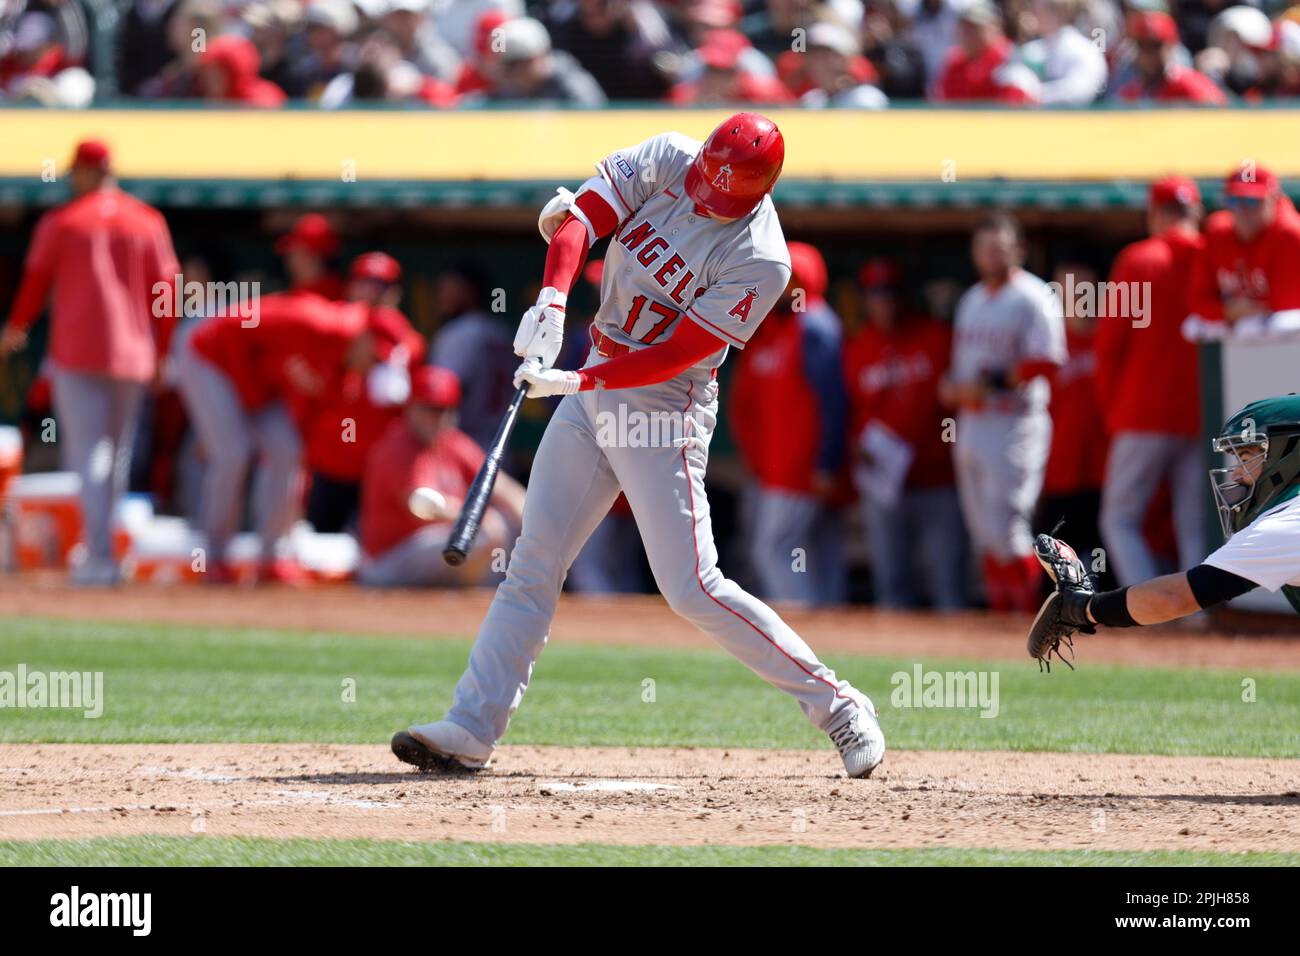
point(697, 260)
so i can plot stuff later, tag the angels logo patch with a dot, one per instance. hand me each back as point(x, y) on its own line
point(723, 179)
point(741, 309)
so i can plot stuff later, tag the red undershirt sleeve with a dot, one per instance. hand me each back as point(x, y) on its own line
point(689, 344)
point(571, 242)
point(1032, 368)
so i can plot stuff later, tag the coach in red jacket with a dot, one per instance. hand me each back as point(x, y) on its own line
point(1148, 388)
point(789, 426)
point(1246, 283)
point(105, 256)
point(892, 368)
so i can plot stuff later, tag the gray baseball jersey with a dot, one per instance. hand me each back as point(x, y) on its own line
point(665, 262)
point(996, 330)
point(1001, 450)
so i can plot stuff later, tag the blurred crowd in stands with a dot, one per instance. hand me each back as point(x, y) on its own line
point(325, 401)
point(862, 54)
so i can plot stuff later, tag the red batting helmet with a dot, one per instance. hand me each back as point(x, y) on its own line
point(737, 165)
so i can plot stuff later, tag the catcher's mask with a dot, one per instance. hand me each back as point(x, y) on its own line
point(1262, 445)
point(1234, 485)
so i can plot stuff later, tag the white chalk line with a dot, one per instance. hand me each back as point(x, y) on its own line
point(606, 786)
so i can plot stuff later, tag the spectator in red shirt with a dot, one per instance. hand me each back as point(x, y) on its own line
point(971, 70)
point(893, 366)
point(343, 428)
point(724, 78)
point(227, 73)
point(1159, 76)
point(308, 252)
point(105, 256)
point(477, 71)
point(424, 449)
point(1246, 282)
point(791, 437)
point(246, 384)
point(1148, 387)
point(1076, 460)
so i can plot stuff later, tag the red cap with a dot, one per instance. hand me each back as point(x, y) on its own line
point(721, 49)
point(487, 22)
point(737, 165)
point(808, 269)
point(1153, 25)
point(436, 386)
point(378, 266)
point(1257, 183)
point(1174, 191)
point(312, 232)
point(92, 154)
point(880, 274)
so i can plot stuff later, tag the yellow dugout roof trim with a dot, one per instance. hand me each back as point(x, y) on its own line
point(918, 145)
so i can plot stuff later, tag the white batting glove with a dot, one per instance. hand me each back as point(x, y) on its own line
point(541, 330)
point(544, 382)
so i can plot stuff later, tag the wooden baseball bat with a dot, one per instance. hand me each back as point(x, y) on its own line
point(465, 530)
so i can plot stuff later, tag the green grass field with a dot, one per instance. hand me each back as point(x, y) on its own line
point(213, 685)
point(243, 851)
point(206, 685)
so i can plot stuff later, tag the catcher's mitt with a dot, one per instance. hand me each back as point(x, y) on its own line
point(1066, 608)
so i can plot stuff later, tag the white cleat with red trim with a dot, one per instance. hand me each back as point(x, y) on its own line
point(860, 741)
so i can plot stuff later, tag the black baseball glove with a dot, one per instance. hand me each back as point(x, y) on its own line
point(1066, 609)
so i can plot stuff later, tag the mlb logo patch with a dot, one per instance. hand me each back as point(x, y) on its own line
point(624, 167)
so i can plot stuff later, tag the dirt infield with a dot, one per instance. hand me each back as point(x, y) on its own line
point(998, 800)
point(655, 796)
point(640, 621)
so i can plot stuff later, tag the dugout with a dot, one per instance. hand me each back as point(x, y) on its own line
point(432, 188)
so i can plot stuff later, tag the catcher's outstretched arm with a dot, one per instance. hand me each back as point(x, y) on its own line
point(1167, 598)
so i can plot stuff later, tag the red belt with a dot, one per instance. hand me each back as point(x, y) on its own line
point(605, 346)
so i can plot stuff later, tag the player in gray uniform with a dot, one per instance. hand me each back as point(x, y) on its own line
point(695, 236)
point(1009, 335)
